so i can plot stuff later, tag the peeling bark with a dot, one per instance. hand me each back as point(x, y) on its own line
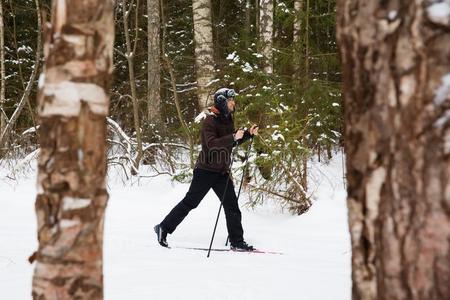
point(396, 60)
point(266, 33)
point(204, 51)
point(2, 71)
point(72, 107)
point(154, 69)
point(297, 32)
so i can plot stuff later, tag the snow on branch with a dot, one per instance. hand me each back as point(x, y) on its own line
point(30, 130)
point(23, 162)
point(123, 150)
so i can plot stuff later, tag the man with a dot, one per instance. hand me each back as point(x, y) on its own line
point(212, 170)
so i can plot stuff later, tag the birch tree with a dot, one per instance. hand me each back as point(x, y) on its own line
point(396, 84)
point(297, 54)
point(154, 69)
point(297, 32)
point(307, 9)
point(204, 51)
point(248, 22)
point(266, 33)
point(2, 71)
point(298, 7)
point(71, 194)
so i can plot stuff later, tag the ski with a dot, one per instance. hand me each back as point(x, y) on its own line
point(228, 250)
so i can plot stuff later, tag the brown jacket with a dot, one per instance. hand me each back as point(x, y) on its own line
point(217, 142)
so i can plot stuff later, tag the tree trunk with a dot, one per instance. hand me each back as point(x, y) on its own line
point(2, 71)
point(204, 51)
point(266, 33)
point(307, 39)
point(396, 84)
point(131, 51)
point(71, 192)
point(304, 176)
point(154, 69)
point(248, 23)
point(257, 7)
point(297, 33)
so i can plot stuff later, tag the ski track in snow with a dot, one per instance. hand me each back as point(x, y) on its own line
point(316, 260)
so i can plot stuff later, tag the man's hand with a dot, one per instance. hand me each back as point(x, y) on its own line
point(254, 129)
point(239, 134)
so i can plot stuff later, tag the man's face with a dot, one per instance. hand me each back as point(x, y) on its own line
point(231, 104)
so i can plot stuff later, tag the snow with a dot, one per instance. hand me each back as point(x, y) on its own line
point(276, 135)
point(247, 68)
point(258, 55)
point(30, 130)
point(439, 12)
point(26, 49)
point(285, 107)
point(212, 82)
point(233, 56)
point(315, 246)
point(202, 115)
point(23, 162)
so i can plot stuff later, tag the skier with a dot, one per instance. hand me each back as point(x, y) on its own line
point(218, 137)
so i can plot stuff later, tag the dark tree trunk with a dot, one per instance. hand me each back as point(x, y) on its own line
point(396, 83)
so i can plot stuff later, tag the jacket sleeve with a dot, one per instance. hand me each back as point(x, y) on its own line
point(211, 138)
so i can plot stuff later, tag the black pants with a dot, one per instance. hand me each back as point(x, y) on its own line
point(201, 183)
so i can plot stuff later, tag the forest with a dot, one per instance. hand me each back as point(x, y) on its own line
point(100, 91)
point(288, 83)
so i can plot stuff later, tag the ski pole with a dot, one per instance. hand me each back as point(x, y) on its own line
point(221, 202)
point(243, 174)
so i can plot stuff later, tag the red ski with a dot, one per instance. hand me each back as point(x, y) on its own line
point(229, 250)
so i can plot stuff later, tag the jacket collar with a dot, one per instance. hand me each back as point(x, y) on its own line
point(214, 110)
point(220, 116)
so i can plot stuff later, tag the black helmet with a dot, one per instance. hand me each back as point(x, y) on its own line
point(227, 93)
point(220, 99)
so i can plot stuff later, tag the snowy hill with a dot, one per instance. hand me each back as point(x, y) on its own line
point(315, 263)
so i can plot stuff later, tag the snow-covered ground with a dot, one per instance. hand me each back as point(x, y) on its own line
point(315, 263)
